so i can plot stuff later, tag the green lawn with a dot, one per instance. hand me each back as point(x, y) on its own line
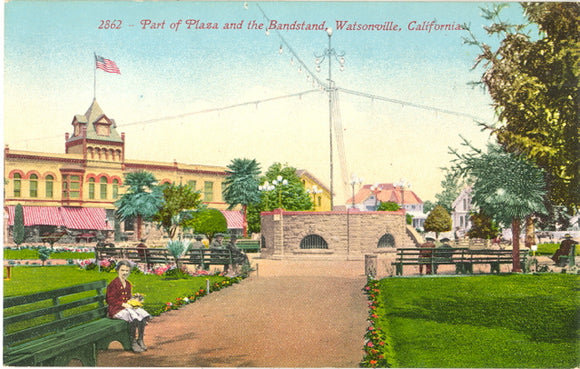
point(505, 321)
point(158, 290)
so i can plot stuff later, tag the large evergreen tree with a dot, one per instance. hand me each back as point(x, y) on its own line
point(506, 187)
point(533, 78)
point(241, 186)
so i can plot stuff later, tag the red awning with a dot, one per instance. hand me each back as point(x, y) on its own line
point(37, 215)
point(73, 218)
point(85, 218)
point(234, 218)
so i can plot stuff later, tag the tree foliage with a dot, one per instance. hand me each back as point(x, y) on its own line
point(290, 197)
point(438, 221)
point(142, 199)
point(175, 213)
point(241, 185)
point(209, 221)
point(451, 188)
point(19, 232)
point(533, 82)
point(388, 206)
point(482, 226)
point(506, 187)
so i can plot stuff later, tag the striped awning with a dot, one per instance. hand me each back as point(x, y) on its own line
point(85, 218)
point(72, 218)
point(37, 215)
point(234, 218)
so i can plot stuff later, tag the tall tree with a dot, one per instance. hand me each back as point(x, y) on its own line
point(179, 201)
point(533, 81)
point(241, 186)
point(19, 232)
point(506, 187)
point(142, 200)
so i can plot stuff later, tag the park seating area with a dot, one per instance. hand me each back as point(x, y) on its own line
point(462, 258)
point(151, 256)
point(52, 328)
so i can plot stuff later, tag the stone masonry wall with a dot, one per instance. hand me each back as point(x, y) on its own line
point(348, 235)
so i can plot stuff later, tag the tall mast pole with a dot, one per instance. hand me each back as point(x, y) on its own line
point(330, 88)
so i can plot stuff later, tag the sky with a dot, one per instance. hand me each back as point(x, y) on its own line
point(176, 84)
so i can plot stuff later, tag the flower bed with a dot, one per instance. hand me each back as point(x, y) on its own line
point(376, 347)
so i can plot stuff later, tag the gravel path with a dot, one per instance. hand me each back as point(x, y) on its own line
point(287, 314)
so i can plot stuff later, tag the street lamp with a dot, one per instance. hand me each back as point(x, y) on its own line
point(277, 183)
point(314, 191)
point(329, 54)
point(353, 182)
point(376, 189)
point(266, 187)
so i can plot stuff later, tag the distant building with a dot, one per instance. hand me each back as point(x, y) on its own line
point(77, 189)
point(369, 197)
point(318, 191)
point(461, 210)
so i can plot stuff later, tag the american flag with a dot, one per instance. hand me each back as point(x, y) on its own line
point(107, 65)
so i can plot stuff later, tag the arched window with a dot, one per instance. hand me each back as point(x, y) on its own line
point(115, 189)
point(103, 182)
point(17, 185)
point(387, 241)
point(91, 188)
point(313, 241)
point(49, 186)
point(33, 185)
point(263, 241)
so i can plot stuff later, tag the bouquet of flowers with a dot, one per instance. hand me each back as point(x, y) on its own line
point(136, 300)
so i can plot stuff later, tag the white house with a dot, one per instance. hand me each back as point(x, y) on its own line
point(460, 215)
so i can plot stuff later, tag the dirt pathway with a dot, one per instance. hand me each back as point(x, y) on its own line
point(288, 314)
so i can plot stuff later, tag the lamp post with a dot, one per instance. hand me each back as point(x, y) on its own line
point(278, 182)
point(314, 191)
point(266, 187)
point(329, 54)
point(353, 182)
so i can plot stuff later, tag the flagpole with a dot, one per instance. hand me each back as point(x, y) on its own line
point(95, 77)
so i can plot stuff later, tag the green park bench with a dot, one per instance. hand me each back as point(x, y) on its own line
point(206, 257)
point(462, 258)
point(52, 328)
point(149, 256)
point(248, 245)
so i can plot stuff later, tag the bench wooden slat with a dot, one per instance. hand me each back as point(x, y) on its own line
point(11, 301)
point(54, 326)
point(8, 320)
